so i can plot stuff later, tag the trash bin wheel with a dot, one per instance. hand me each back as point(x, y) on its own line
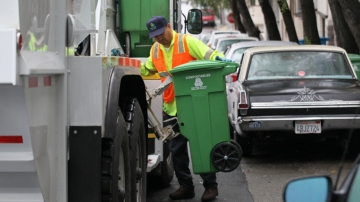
point(226, 156)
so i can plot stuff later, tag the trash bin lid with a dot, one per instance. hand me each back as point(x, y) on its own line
point(203, 65)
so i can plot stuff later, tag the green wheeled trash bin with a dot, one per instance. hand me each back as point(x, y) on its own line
point(355, 61)
point(200, 92)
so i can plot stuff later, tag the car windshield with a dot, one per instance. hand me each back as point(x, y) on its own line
point(238, 53)
point(305, 64)
point(225, 43)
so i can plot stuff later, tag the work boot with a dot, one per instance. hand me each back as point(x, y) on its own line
point(183, 193)
point(209, 194)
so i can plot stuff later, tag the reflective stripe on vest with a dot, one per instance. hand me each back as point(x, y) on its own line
point(181, 55)
point(208, 54)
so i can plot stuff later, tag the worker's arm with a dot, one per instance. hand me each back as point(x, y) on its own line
point(201, 51)
point(148, 68)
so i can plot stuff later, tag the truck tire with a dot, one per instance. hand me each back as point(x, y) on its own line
point(167, 168)
point(115, 175)
point(138, 159)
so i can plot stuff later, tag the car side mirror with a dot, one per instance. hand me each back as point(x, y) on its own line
point(194, 21)
point(309, 189)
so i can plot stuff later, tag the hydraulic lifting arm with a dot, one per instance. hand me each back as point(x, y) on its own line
point(166, 133)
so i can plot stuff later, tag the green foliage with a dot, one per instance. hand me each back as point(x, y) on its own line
point(307, 41)
point(284, 5)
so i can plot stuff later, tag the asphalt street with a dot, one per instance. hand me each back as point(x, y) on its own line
point(232, 188)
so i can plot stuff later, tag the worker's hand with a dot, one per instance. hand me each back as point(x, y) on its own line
point(223, 59)
point(115, 52)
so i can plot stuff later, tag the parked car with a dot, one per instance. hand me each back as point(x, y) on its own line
point(234, 51)
point(222, 43)
point(322, 188)
point(228, 32)
point(289, 91)
point(222, 36)
point(208, 18)
point(205, 35)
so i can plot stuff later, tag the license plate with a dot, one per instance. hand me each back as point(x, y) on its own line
point(255, 124)
point(303, 127)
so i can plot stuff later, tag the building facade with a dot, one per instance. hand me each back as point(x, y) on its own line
point(323, 18)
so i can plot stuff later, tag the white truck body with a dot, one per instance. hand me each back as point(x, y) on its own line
point(47, 95)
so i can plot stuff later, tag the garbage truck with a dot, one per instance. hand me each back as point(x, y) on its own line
point(75, 115)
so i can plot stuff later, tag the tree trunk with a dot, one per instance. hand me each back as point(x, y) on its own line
point(289, 23)
point(344, 38)
point(351, 11)
point(270, 21)
point(311, 34)
point(247, 20)
point(238, 24)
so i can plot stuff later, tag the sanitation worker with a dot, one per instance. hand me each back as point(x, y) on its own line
point(170, 50)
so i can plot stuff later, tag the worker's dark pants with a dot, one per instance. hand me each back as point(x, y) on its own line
point(180, 157)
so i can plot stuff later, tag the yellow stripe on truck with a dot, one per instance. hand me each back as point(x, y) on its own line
point(151, 135)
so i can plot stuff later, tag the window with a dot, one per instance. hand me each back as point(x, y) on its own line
point(296, 65)
point(297, 7)
point(251, 2)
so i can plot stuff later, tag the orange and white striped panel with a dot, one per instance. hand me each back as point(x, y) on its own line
point(38, 81)
point(120, 61)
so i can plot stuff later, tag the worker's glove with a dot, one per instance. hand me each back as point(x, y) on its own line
point(223, 59)
point(115, 52)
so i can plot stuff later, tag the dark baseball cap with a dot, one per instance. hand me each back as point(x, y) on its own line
point(156, 25)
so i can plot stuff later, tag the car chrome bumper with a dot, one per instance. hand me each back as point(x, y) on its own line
point(286, 123)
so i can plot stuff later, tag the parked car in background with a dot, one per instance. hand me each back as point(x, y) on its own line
point(289, 91)
point(205, 35)
point(234, 51)
point(208, 18)
point(322, 188)
point(222, 43)
point(228, 32)
point(221, 36)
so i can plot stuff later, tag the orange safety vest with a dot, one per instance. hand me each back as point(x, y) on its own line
point(181, 55)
